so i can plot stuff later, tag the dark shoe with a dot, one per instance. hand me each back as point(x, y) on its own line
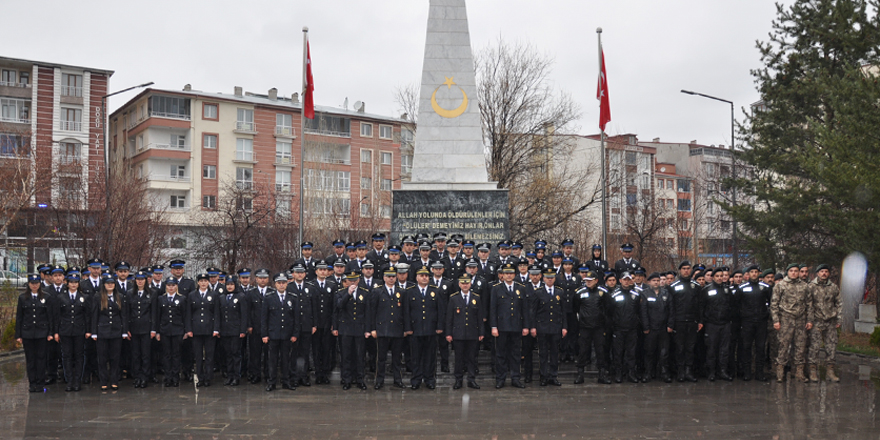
point(724, 376)
point(288, 386)
point(77, 388)
point(154, 379)
point(711, 376)
point(646, 377)
point(618, 377)
point(555, 382)
point(86, 380)
point(346, 386)
point(362, 386)
point(378, 386)
point(114, 387)
point(398, 384)
point(416, 386)
point(169, 384)
point(50, 381)
point(270, 387)
point(68, 388)
point(305, 382)
point(760, 377)
point(580, 377)
point(235, 382)
point(746, 377)
point(430, 385)
point(689, 374)
point(176, 383)
point(227, 382)
point(499, 384)
point(603, 378)
point(527, 379)
point(458, 384)
point(143, 384)
point(473, 384)
point(103, 387)
point(517, 384)
point(543, 382)
point(207, 383)
point(631, 376)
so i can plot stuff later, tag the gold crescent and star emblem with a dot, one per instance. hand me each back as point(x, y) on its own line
point(450, 114)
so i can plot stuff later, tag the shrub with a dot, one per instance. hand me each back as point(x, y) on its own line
point(875, 337)
point(7, 339)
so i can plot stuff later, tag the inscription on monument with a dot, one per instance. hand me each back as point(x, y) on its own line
point(478, 215)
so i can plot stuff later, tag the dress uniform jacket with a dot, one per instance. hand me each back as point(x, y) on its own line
point(54, 291)
point(185, 286)
point(464, 321)
point(426, 313)
point(279, 319)
point(454, 267)
point(33, 317)
point(88, 286)
point(388, 314)
point(508, 312)
point(73, 317)
point(373, 283)
point(416, 265)
point(310, 267)
point(379, 258)
point(233, 314)
point(600, 266)
point(111, 322)
point(324, 303)
point(255, 309)
point(141, 311)
point(548, 311)
point(351, 312)
point(203, 315)
point(171, 314)
point(306, 297)
point(623, 265)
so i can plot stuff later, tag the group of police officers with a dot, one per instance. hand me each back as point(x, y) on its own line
point(417, 301)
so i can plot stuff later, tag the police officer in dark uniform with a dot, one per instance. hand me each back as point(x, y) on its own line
point(487, 266)
point(185, 286)
point(307, 260)
point(440, 243)
point(444, 287)
point(368, 282)
point(685, 304)
point(257, 350)
point(589, 302)
point(533, 284)
point(715, 306)
point(141, 308)
point(305, 292)
point(387, 318)
point(656, 307)
point(233, 328)
point(323, 341)
point(73, 316)
point(623, 310)
point(548, 326)
point(170, 330)
point(596, 263)
point(109, 328)
point(426, 311)
point(753, 303)
point(55, 288)
point(378, 254)
point(509, 320)
point(338, 252)
point(423, 260)
point(203, 327)
point(568, 251)
point(464, 318)
point(34, 328)
point(352, 329)
point(279, 326)
point(627, 263)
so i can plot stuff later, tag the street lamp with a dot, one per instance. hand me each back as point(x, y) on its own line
point(104, 121)
point(732, 163)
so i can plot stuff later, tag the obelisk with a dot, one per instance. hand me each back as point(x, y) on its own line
point(449, 188)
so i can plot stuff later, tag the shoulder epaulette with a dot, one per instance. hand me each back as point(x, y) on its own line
point(744, 284)
point(603, 288)
point(675, 282)
point(454, 294)
point(764, 284)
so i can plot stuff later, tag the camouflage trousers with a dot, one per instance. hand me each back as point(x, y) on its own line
point(823, 331)
point(792, 331)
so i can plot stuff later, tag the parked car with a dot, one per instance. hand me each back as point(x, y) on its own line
point(14, 279)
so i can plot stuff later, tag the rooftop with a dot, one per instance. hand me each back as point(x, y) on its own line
point(62, 66)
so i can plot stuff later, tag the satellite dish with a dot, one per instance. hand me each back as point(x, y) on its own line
point(358, 106)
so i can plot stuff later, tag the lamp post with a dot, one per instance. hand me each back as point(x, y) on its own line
point(104, 121)
point(732, 166)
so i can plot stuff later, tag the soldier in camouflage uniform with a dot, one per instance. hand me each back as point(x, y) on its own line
point(790, 309)
point(826, 311)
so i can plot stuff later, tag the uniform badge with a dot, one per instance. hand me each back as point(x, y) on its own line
point(361, 297)
point(235, 301)
point(43, 301)
point(176, 301)
point(432, 294)
point(458, 310)
point(290, 303)
point(210, 299)
point(474, 302)
point(458, 264)
point(82, 300)
point(600, 293)
point(306, 290)
point(517, 292)
point(557, 297)
point(398, 294)
point(444, 287)
point(220, 290)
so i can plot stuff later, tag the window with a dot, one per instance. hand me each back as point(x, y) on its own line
point(178, 172)
point(244, 178)
point(343, 181)
point(69, 190)
point(178, 202)
point(209, 171)
point(282, 180)
point(645, 159)
point(631, 157)
point(386, 158)
point(366, 129)
point(669, 184)
point(244, 149)
point(178, 141)
point(366, 156)
point(177, 243)
point(209, 202)
point(670, 204)
point(385, 211)
point(631, 199)
point(385, 132)
point(283, 124)
point(406, 164)
point(282, 207)
point(15, 110)
point(646, 181)
point(684, 185)
point(615, 221)
point(659, 183)
point(209, 111)
point(7, 78)
point(683, 224)
point(245, 204)
point(329, 180)
point(283, 152)
point(725, 225)
point(245, 121)
point(366, 183)
point(168, 107)
point(406, 136)
point(365, 210)
point(386, 185)
point(684, 204)
point(71, 85)
point(209, 141)
point(710, 169)
point(71, 119)
point(12, 145)
point(710, 207)
point(329, 125)
point(69, 153)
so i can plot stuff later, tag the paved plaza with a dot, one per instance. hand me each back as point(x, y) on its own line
point(720, 410)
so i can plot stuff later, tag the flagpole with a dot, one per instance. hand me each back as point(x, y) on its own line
point(302, 137)
point(602, 164)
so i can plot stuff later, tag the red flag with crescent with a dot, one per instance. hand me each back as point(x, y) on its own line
point(602, 93)
point(309, 86)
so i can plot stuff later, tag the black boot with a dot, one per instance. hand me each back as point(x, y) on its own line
point(580, 377)
point(689, 374)
point(664, 373)
point(724, 376)
point(632, 376)
point(618, 376)
point(603, 377)
point(680, 374)
point(711, 375)
point(647, 376)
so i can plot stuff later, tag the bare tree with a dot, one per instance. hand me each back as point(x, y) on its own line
point(18, 184)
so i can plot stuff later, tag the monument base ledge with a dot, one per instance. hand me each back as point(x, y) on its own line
point(448, 186)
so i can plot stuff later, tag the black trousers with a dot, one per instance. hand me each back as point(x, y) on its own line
point(591, 340)
point(424, 354)
point(203, 353)
point(527, 357)
point(395, 345)
point(625, 341)
point(465, 358)
point(109, 354)
point(444, 346)
point(279, 352)
point(656, 350)
point(53, 358)
point(322, 349)
point(90, 359)
point(35, 352)
point(717, 346)
point(302, 348)
point(171, 349)
point(754, 334)
point(258, 353)
point(548, 353)
point(232, 347)
point(186, 356)
point(685, 339)
point(570, 341)
point(156, 357)
point(370, 349)
point(73, 357)
point(507, 353)
point(352, 351)
point(734, 348)
point(140, 357)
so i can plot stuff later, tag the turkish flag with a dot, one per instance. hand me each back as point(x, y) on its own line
point(309, 87)
point(602, 93)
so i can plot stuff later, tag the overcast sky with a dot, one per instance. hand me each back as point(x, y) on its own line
point(363, 50)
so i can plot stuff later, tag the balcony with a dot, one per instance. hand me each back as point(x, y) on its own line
point(285, 132)
point(167, 115)
point(170, 178)
point(284, 160)
point(245, 127)
point(76, 92)
point(172, 147)
point(245, 157)
point(14, 84)
point(14, 120)
point(15, 90)
point(70, 126)
point(69, 160)
point(285, 188)
point(326, 132)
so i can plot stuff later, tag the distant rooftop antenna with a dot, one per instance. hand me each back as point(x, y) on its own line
point(345, 104)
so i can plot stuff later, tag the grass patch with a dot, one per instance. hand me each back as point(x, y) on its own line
point(858, 343)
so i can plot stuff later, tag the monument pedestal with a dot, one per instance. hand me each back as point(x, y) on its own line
point(478, 213)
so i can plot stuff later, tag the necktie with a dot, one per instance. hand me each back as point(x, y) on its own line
point(423, 292)
point(72, 297)
point(95, 283)
point(35, 296)
point(229, 297)
point(510, 289)
point(322, 285)
point(141, 294)
point(123, 287)
point(390, 291)
point(282, 297)
point(551, 291)
point(467, 296)
point(203, 296)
